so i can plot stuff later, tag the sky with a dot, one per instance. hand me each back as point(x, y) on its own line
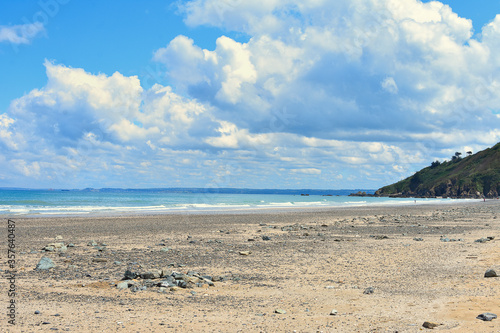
point(346, 94)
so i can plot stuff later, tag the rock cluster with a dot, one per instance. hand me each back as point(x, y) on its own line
point(55, 247)
point(484, 239)
point(98, 246)
point(446, 239)
point(165, 279)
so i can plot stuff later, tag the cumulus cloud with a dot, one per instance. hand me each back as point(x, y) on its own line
point(20, 34)
point(323, 94)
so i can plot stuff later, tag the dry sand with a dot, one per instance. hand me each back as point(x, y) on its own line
point(314, 262)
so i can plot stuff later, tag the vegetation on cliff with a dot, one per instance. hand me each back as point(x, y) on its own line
point(474, 176)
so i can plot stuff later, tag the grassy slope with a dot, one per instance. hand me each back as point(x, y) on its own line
point(477, 173)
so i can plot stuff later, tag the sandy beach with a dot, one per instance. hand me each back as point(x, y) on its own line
point(382, 269)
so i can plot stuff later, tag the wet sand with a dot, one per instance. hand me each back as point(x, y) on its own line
point(315, 261)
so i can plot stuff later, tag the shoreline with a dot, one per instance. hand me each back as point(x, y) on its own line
point(251, 210)
point(309, 264)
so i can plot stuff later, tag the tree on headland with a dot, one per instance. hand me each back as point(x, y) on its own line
point(456, 157)
point(435, 164)
point(469, 153)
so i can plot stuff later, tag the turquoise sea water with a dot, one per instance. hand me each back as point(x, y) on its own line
point(113, 202)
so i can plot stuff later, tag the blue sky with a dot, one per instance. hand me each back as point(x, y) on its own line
point(234, 93)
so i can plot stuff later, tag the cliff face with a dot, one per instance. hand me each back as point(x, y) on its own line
point(474, 176)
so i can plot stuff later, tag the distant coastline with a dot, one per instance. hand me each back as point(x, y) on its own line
point(194, 190)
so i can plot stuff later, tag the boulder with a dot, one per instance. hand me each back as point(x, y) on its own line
point(45, 263)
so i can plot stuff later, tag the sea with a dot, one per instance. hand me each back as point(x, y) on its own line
point(61, 202)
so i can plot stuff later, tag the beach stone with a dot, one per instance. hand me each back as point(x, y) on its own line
point(418, 239)
point(164, 249)
point(122, 285)
point(369, 290)
point(245, 253)
point(279, 311)
point(45, 263)
point(266, 238)
point(482, 240)
point(333, 312)
point(59, 237)
point(129, 275)
point(152, 274)
point(430, 325)
point(92, 243)
point(487, 316)
point(168, 283)
point(99, 260)
point(379, 237)
point(71, 245)
point(490, 273)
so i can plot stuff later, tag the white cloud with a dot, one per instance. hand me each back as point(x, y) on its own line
point(390, 85)
point(307, 171)
point(368, 90)
point(21, 34)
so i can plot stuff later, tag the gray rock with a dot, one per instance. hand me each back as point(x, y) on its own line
point(266, 238)
point(129, 275)
point(487, 316)
point(333, 312)
point(279, 311)
point(45, 263)
point(164, 249)
point(418, 239)
point(490, 273)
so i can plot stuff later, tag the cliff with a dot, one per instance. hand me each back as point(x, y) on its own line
point(474, 176)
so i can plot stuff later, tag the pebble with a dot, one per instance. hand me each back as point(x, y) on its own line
point(487, 316)
point(490, 273)
point(280, 311)
point(430, 325)
point(333, 312)
point(379, 237)
point(369, 290)
point(245, 253)
point(266, 238)
point(37, 312)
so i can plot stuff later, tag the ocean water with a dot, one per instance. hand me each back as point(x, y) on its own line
point(16, 202)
